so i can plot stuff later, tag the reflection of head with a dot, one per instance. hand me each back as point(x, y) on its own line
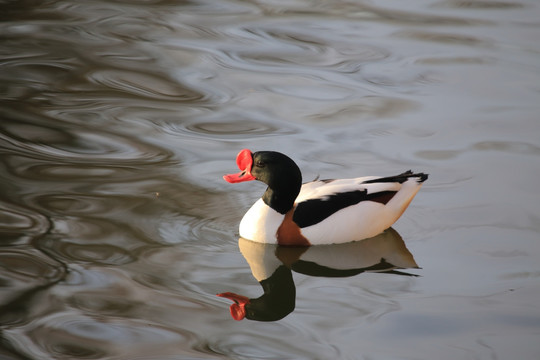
point(277, 301)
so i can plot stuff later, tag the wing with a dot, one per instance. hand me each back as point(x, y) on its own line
point(320, 199)
point(311, 212)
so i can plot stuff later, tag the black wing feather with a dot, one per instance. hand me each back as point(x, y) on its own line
point(311, 212)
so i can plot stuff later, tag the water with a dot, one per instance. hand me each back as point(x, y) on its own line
point(118, 119)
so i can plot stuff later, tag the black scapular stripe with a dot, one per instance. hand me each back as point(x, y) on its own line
point(311, 212)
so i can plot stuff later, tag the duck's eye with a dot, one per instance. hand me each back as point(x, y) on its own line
point(260, 164)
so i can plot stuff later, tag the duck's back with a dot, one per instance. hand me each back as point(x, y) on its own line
point(346, 210)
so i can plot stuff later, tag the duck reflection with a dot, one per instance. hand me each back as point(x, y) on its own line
point(272, 266)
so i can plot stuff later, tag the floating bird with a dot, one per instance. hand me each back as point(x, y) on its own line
point(320, 212)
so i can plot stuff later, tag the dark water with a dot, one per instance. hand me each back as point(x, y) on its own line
point(117, 120)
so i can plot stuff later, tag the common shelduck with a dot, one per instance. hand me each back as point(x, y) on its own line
point(322, 211)
point(271, 266)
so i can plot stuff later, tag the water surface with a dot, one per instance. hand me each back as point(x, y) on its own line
point(118, 119)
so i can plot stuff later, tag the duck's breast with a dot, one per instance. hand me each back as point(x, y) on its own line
point(260, 223)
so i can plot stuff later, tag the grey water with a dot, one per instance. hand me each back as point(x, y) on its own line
point(119, 118)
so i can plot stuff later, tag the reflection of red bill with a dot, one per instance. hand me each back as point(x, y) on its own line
point(238, 309)
point(244, 160)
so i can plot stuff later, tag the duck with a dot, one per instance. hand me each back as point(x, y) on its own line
point(319, 212)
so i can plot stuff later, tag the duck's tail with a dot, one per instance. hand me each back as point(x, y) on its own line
point(401, 178)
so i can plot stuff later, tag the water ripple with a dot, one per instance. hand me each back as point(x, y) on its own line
point(70, 335)
point(512, 147)
point(30, 264)
point(50, 142)
point(104, 254)
point(227, 130)
point(24, 271)
point(311, 46)
point(484, 4)
point(240, 342)
point(144, 85)
point(20, 225)
point(446, 38)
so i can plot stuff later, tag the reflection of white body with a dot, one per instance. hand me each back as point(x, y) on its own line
point(261, 258)
point(264, 259)
point(271, 265)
